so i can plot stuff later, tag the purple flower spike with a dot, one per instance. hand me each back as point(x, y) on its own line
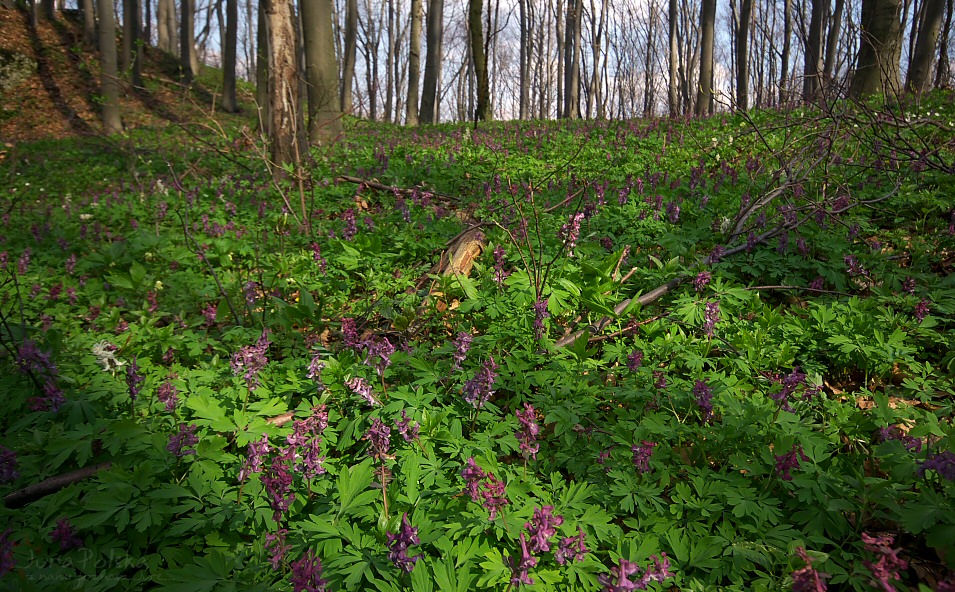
point(942, 463)
point(527, 435)
point(634, 360)
point(540, 313)
point(542, 528)
point(521, 565)
point(710, 317)
point(462, 343)
point(789, 461)
point(408, 431)
point(704, 397)
point(641, 455)
point(134, 380)
point(307, 574)
point(276, 548)
point(379, 439)
point(65, 535)
point(701, 280)
point(571, 548)
point(619, 579)
point(398, 544)
point(360, 387)
point(166, 393)
point(888, 563)
point(253, 460)
point(478, 390)
point(250, 360)
point(179, 444)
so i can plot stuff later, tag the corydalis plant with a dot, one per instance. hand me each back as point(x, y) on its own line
point(484, 488)
point(478, 390)
point(250, 360)
point(398, 544)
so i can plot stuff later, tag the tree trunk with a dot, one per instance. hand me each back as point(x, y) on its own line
point(148, 23)
point(231, 45)
point(262, 53)
point(832, 39)
point(812, 67)
point(432, 63)
point(919, 77)
point(943, 72)
point(482, 111)
point(572, 60)
point(188, 61)
point(283, 86)
point(787, 47)
point(349, 54)
point(877, 66)
point(704, 93)
point(524, 58)
point(673, 92)
point(112, 123)
point(324, 116)
point(414, 63)
point(742, 55)
point(131, 59)
point(126, 47)
point(89, 22)
point(49, 9)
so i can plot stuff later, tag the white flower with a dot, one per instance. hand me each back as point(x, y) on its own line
point(158, 286)
point(105, 353)
point(85, 216)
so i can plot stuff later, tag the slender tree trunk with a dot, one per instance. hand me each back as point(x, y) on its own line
point(673, 93)
point(148, 22)
point(787, 45)
point(324, 116)
point(109, 81)
point(188, 61)
point(832, 39)
point(432, 62)
point(348, 54)
point(482, 111)
point(524, 59)
point(126, 47)
point(231, 47)
point(262, 53)
point(48, 9)
point(919, 76)
point(283, 86)
point(877, 67)
point(742, 55)
point(812, 69)
point(559, 17)
point(572, 60)
point(704, 94)
point(414, 63)
point(89, 22)
point(943, 71)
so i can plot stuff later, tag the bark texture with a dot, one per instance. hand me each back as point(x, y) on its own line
point(321, 67)
point(877, 69)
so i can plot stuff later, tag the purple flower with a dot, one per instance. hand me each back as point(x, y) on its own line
point(888, 565)
point(250, 288)
point(704, 395)
point(315, 368)
point(484, 487)
point(307, 574)
point(307, 443)
point(350, 336)
point(641, 455)
point(8, 465)
point(166, 393)
point(521, 566)
point(276, 548)
point(209, 313)
point(179, 444)
point(350, 229)
point(908, 286)
point(817, 284)
point(527, 435)
point(65, 535)
point(7, 563)
point(360, 387)
point(379, 439)
point(278, 482)
point(921, 310)
point(23, 264)
point(253, 459)
point(789, 461)
point(942, 463)
point(619, 579)
point(398, 545)
point(461, 343)
point(408, 431)
point(317, 256)
point(477, 391)
point(499, 274)
point(133, 379)
point(853, 266)
point(250, 360)
point(571, 548)
point(542, 527)
point(70, 264)
point(634, 360)
point(894, 432)
point(807, 579)
point(716, 254)
point(540, 313)
point(570, 232)
point(701, 280)
point(710, 317)
point(379, 353)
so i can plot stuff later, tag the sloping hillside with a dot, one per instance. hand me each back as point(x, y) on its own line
point(49, 82)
